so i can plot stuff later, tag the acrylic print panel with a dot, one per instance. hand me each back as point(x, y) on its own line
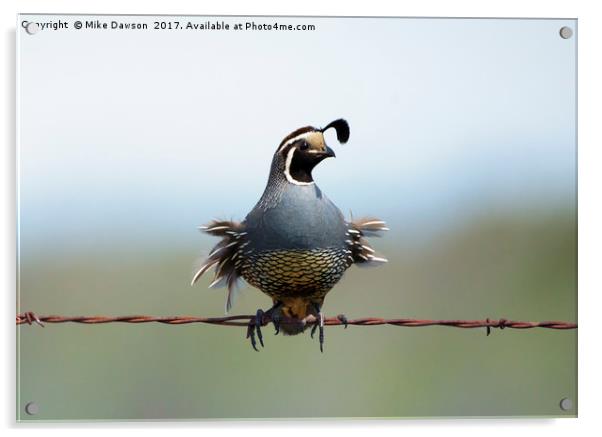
point(135, 130)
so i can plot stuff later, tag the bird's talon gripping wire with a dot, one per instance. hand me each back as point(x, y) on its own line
point(276, 322)
point(251, 334)
point(343, 319)
point(319, 324)
point(274, 314)
point(258, 323)
point(321, 336)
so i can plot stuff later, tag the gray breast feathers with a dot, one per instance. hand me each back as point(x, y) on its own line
point(303, 219)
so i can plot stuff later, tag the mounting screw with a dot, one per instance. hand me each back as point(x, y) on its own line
point(566, 32)
point(32, 28)
point(32, 408)
point(566, 404)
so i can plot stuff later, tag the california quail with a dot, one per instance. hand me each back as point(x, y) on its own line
point(295, 244)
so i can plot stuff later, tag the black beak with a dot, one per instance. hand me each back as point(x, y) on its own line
point(328, 152)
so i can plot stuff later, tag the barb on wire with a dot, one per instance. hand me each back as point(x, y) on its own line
point(245, 320)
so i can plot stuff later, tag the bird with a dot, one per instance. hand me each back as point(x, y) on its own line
point(295, 244)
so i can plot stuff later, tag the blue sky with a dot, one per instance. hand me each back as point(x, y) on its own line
point(144, 135)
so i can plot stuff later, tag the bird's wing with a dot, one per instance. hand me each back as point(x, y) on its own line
point(223, 256)
point(361, 251)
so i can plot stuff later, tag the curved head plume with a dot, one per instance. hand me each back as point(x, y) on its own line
point(303, 149)
point(341, 127)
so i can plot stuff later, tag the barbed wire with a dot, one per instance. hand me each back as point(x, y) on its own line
point(246, 320)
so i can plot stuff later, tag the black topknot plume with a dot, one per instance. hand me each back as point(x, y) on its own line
point(341, 127)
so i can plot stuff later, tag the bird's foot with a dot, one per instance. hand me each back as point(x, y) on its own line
point(258, 324)
point(251, 334)
point(275, 316)
point(253, 327)
point(319, 325)
point(276, 321)
point(255, 324)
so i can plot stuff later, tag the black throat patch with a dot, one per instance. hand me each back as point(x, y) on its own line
point(301, 166)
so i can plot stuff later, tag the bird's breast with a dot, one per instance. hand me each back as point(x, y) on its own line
point(302, 219)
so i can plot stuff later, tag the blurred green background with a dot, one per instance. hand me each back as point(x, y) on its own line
point(518, 266)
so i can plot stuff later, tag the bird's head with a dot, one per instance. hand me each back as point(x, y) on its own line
point(303, 149)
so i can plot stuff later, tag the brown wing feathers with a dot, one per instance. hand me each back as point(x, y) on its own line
point(223, 256)
point(361, 251)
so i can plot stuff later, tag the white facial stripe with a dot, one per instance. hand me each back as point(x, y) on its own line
point(298, 137)
point(287, 169)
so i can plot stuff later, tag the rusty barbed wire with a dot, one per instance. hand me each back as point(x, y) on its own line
point(245, 320)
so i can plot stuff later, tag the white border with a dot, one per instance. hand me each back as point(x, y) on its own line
point(590, 213)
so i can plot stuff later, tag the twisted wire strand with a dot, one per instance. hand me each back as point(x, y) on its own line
point(246, 320)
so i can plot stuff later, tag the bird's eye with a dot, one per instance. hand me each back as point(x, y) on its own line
point(304, 145)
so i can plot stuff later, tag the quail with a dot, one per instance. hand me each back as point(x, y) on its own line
point(295, 244)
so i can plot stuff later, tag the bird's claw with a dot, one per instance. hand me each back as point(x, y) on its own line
point(254, 327)
point(321, 330)
point(258, 322)
point(319, 324)
point(251, 334)
point(276, 322)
